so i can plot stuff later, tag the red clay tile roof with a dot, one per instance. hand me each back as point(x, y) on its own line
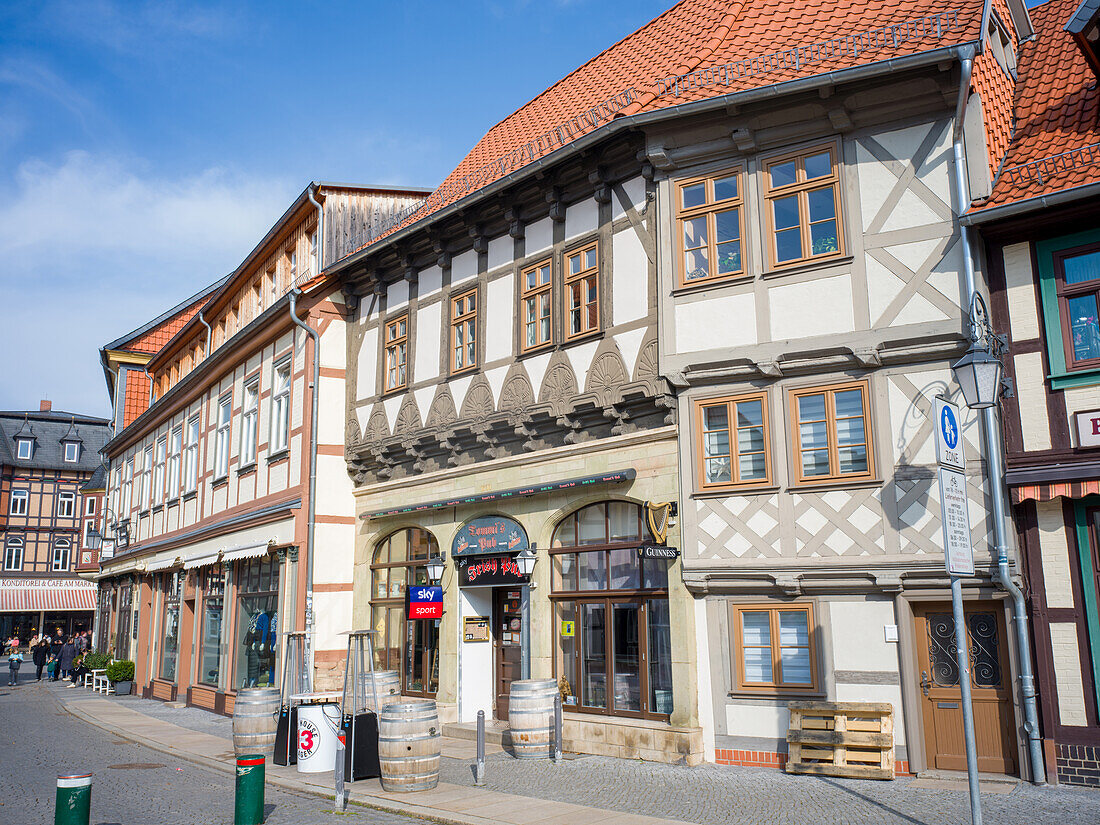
point(722, 46)
point(152, 340)
point(997, 90)
point(137, 396)
point(1057, 112)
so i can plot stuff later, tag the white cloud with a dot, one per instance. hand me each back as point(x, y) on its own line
point(95, 246)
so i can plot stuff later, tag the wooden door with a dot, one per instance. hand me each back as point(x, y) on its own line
point(990, 680)
point(507, 644)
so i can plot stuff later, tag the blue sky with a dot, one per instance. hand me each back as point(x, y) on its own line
point(146, 147)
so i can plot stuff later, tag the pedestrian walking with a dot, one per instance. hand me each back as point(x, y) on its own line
point(40, 654)
point(81, 643)
point(65, 660)
point(56, 643)
point(15, 659)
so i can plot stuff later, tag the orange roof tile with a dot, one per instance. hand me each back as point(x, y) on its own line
point(1057, 112)
point(137, 396)
point(152, 340)
point(702, 49)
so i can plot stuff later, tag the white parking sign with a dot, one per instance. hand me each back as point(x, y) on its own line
point(949, 441)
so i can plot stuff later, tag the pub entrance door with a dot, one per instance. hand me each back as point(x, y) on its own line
point(990, 686)
point(507, 644)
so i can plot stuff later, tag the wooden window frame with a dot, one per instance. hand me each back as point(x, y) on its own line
point(1064, 293)
point(834, 477)
point(536, 292)
point(399, 343)
point(582, 276)
point(709, 209)
point(801, 187)
point(776, 687)
point(735, 482)
point(467, 320)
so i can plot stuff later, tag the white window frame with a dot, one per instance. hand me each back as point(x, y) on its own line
point(175, 448)
point(66, 504)
point(89, 505)
point(250, 415)
point(314, 261)
point(89, 524)
point(13, 553)
point(221, 437)
point(24, 448)
point(23, 496)
point(146, 475)
point(127, 489)
point(160, 449)
point(191, 456)
point(280, 408)
point(75, 446)
point(58, 546)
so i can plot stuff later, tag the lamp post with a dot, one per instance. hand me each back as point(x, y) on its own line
point(435, 569)
point(525, 561)
point(980, 374)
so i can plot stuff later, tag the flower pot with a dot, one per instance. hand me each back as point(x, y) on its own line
point(122, 688)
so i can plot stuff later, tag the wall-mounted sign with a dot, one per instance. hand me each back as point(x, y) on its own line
point(475, 629)
point(1088, 428)
point(489, 534)
point(479, 571)
point(949, 443)
point(424, 602)
point(567, 628)
point(957, 549)
point(657, 551)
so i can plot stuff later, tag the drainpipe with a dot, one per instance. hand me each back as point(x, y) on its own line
point(205, 352)
point(311, 524)
point(320, 230)
point(994, 459)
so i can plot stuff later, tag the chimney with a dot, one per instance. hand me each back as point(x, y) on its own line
point(45, 405)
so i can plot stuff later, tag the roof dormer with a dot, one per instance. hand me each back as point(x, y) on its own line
point(25, 440)
point(72, 445)
point(1084, 25)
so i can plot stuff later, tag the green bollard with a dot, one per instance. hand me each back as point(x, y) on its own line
point(74, 799)
point(249, 807)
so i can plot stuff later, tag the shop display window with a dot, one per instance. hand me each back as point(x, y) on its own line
point(257, 622)
point(613, 652)
point(410, 647)
point(213, 598)
point(170, 631)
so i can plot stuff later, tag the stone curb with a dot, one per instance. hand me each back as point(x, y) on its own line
point(364, 799)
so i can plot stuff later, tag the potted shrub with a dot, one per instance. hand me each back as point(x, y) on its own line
point(121, 675)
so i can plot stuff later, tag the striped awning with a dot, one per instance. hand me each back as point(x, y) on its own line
point(248, 551)
point(1047, 492)
point(46, 594)
point(193, 562)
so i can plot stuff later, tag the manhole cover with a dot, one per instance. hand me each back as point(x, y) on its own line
point(135, 766)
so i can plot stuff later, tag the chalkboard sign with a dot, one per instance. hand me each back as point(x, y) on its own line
point(489, 534)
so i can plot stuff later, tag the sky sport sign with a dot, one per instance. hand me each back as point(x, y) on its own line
point(958, 552)
point(425, 602)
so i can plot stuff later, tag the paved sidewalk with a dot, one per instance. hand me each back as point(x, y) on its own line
point(590, 789)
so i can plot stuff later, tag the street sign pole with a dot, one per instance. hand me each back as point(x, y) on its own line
point(958, 554)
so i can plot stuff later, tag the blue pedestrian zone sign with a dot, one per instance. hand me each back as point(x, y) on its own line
point(949, 443)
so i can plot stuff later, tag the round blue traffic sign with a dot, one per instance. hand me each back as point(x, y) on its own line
point(950, 428)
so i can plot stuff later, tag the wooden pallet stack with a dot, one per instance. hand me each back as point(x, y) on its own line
point(849, 739)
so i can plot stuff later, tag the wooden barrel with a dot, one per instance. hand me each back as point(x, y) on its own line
point(409, 740)
point(530, 715)
point(255, 713)
point(389, 688)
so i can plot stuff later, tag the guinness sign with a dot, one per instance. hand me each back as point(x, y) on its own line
point(658, 551)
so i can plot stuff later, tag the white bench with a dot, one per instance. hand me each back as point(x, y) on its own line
point(90, 677)
point(101, 684)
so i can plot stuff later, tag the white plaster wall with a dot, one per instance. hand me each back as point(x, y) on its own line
point(539, 236)
point(859, 638)
point(428, 282)
point(702, 656)
point(397, 295)
point(428, 333)
point(1054, 549)
point(499, 315)
point(1020, 287)
point(1031, 398)
point(820, 307)
point(635, 193)
point(1067, 674)
point(330, 411)
point(757, 720)
point(463, 267)
point(367, 365)
point(581, 217)
point(500, 251)
point(630, 269)
point(334, 347)
point(334, 553)
point(335, 489)
point(728, 321)
point(475, 659)
point(333, 617)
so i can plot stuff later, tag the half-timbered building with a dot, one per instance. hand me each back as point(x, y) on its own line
point(228, 498)
point(47, 458)
point(1040, 228)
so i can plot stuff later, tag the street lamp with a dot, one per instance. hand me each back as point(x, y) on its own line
point(979, 372)
point(435, 569)
point(526, 561)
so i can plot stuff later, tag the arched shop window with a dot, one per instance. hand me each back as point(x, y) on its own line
point(613, 653)
point(408, 646)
